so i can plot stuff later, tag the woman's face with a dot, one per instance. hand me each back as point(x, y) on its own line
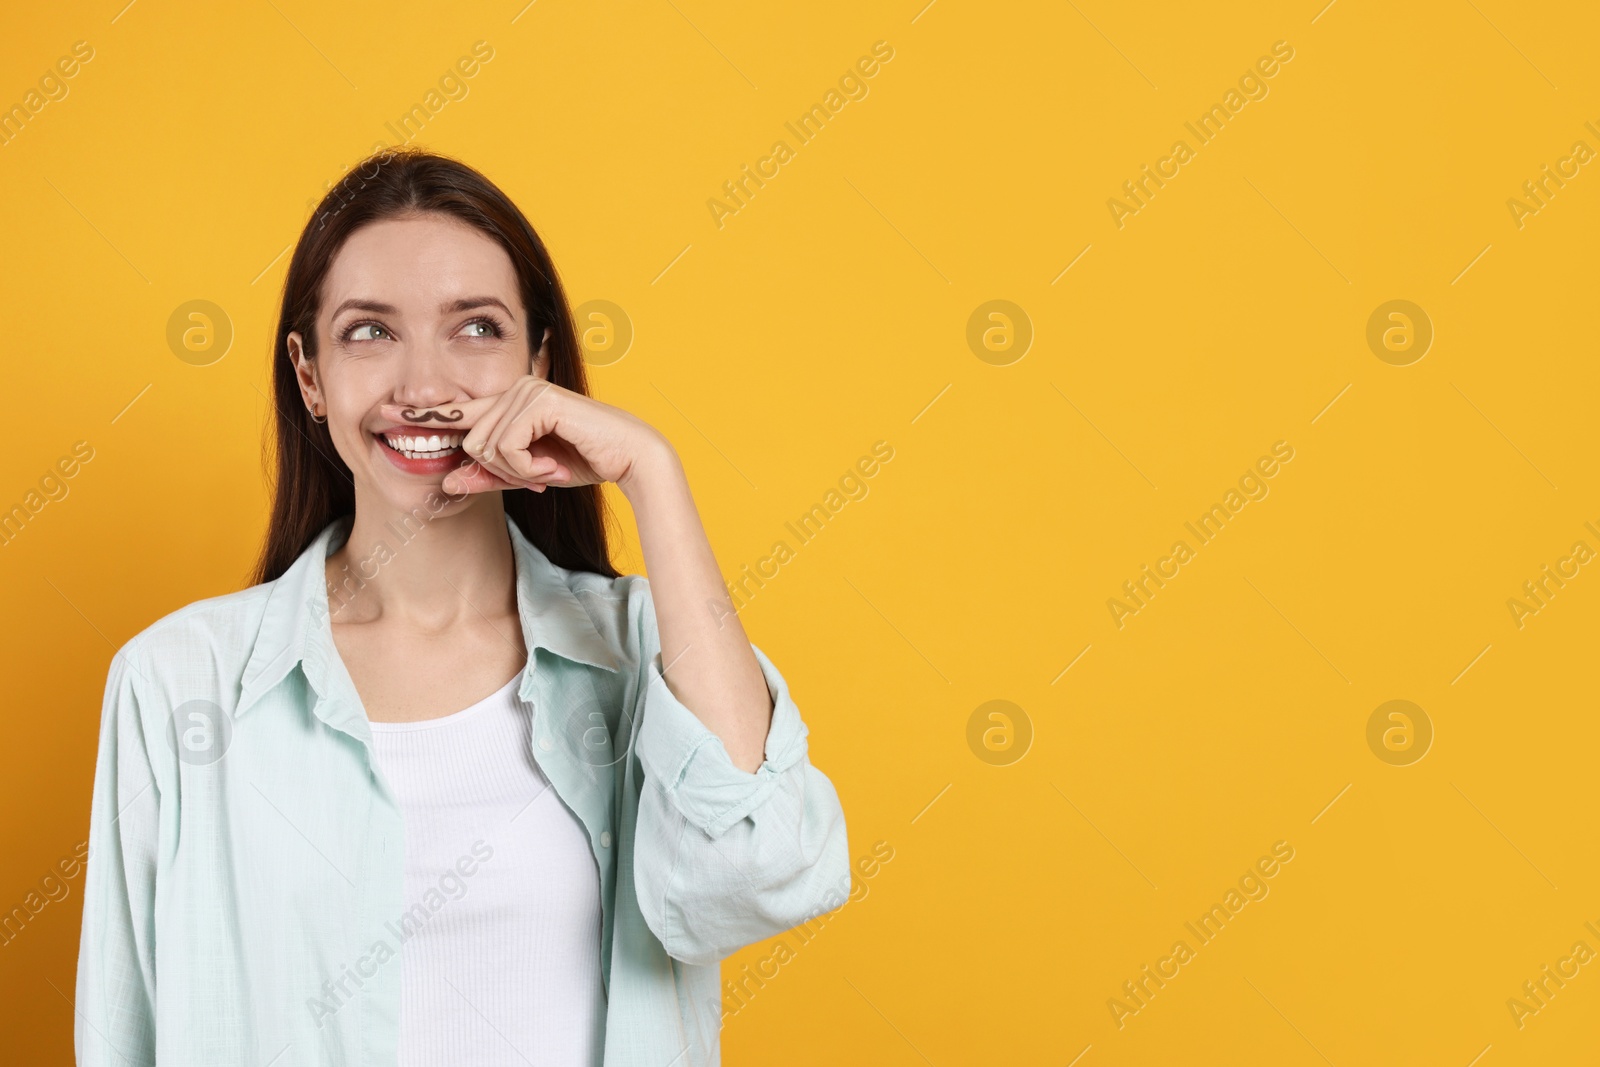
point(422, 312)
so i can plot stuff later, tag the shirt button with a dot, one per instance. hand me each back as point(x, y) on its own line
point(605, 838)
point(546, 744)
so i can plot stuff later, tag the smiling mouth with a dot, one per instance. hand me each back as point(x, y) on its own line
point(423, 446)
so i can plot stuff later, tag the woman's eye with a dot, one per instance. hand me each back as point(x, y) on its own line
point(357, 333)
point(489, 329)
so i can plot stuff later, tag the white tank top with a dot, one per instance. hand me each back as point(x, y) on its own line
point(500, 939)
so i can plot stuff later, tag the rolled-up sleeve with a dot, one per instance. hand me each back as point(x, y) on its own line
point(725, 857)
point(114, 1023)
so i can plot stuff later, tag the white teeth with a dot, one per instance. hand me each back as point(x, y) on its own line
point(430, 447)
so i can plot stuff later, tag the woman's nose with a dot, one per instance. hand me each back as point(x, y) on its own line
point(423, 379)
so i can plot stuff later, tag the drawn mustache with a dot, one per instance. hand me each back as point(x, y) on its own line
point(410, 415)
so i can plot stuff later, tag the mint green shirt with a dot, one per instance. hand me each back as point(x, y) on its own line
point(242, 898)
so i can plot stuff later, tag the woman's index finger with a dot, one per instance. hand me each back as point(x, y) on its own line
point(455, 415)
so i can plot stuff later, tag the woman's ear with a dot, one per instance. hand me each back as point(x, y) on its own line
point(305, 371)
point(541, 355)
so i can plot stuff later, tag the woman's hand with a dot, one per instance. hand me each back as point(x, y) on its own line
point(537, 434)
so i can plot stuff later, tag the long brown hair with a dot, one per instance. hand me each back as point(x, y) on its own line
point(313, 484)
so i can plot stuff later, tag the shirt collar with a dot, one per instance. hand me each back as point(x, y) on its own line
point(295, 625)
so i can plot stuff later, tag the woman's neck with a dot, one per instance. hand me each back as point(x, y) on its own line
point(422, 570)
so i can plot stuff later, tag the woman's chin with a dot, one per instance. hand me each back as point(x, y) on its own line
point(425, 497)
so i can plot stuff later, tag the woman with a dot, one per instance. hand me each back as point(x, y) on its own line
point(443, 786)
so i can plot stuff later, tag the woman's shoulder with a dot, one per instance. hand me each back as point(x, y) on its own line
point(216, 631)
point(620, 608)
point(598, 587)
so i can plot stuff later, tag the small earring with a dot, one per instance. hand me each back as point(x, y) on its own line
point(314, 415)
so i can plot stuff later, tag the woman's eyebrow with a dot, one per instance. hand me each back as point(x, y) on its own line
point(469, 302)
point(359, 304)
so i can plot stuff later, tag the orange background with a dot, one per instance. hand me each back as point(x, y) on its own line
point(1040, 860)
